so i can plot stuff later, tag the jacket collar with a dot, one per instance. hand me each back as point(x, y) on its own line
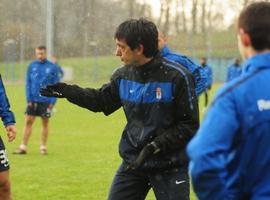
point(258, 61)
point(165, 51)
point(46, 60)
point(153, 63)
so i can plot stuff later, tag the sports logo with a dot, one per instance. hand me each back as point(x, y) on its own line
point(158, 93)
point(3, 158)
point(263, 104)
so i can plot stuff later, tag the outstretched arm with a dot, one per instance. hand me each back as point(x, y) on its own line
point(106, 99)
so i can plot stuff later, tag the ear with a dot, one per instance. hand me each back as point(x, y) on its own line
point(139, 50)
point(245, 38)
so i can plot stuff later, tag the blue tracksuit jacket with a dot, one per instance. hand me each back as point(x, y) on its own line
point(209, 74)
point(197, 71)
point(5, 113)
point(233, 72)
point(41, 74)
point(230, 155)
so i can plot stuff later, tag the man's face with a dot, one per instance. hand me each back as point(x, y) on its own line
point(162, 40)
point(203, 62)
point(41, 54)
point(125, 53)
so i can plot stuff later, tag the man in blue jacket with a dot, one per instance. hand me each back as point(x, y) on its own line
point(9, 123)
point(61, 72)
point(40, 73)
point(209, 80)
point(197, 71)
point(234, 70)
point(230, 155)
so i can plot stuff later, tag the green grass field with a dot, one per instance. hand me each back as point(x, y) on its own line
point(83, 153)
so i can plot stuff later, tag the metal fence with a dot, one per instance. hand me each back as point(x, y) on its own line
point(95, 70)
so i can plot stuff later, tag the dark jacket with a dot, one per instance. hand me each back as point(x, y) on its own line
point(160, 105)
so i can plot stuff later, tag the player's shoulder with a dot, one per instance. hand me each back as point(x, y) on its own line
point(49, 63)
point(33, 63)
point(176, 68)
point(235, 86)
point(119, 72)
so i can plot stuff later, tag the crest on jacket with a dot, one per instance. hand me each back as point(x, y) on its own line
point(158, 93)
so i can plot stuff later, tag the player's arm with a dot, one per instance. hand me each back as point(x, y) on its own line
point(54, 78)
point(211, 75)
point(187, 117)
point(105, 99)
point(28, 86)
point(228, 74)
point(209, 149)
point(5, 113)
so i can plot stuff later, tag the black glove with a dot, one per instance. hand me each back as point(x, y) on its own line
point(145, 154)
point(58, 90)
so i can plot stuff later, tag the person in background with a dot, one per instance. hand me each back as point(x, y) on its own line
point(9, 123)
point(40, 73)
point(209, 73)
point(234, 70)
point(197, 71)
point(55, 61)
point(230, 154)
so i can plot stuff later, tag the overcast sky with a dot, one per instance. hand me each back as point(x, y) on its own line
point(230, 8)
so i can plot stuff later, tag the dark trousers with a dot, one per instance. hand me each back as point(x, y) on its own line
point(206, 98)
point(172, 184)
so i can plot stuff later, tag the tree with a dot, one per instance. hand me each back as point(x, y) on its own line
point(194, 15)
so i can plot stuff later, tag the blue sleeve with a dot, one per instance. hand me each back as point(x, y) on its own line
point(55, 79)
point(211, 75)
point(209, 149)
point(184, 61)
point(198, 72)
point(240, 71)
point(6, 115)
point(228, 74)
point(28, 85)
point(60, 71)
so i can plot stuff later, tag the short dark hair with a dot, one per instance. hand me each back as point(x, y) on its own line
point(42, 47)
point(255, 20)
point(139, 31)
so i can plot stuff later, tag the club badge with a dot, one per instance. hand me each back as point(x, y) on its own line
point(158, 93)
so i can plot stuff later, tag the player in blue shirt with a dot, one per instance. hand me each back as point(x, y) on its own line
point(40, 73)
point(230, 155)
point(209, 80)
point(197, 71)
point(234, 70)
point(9, 123)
